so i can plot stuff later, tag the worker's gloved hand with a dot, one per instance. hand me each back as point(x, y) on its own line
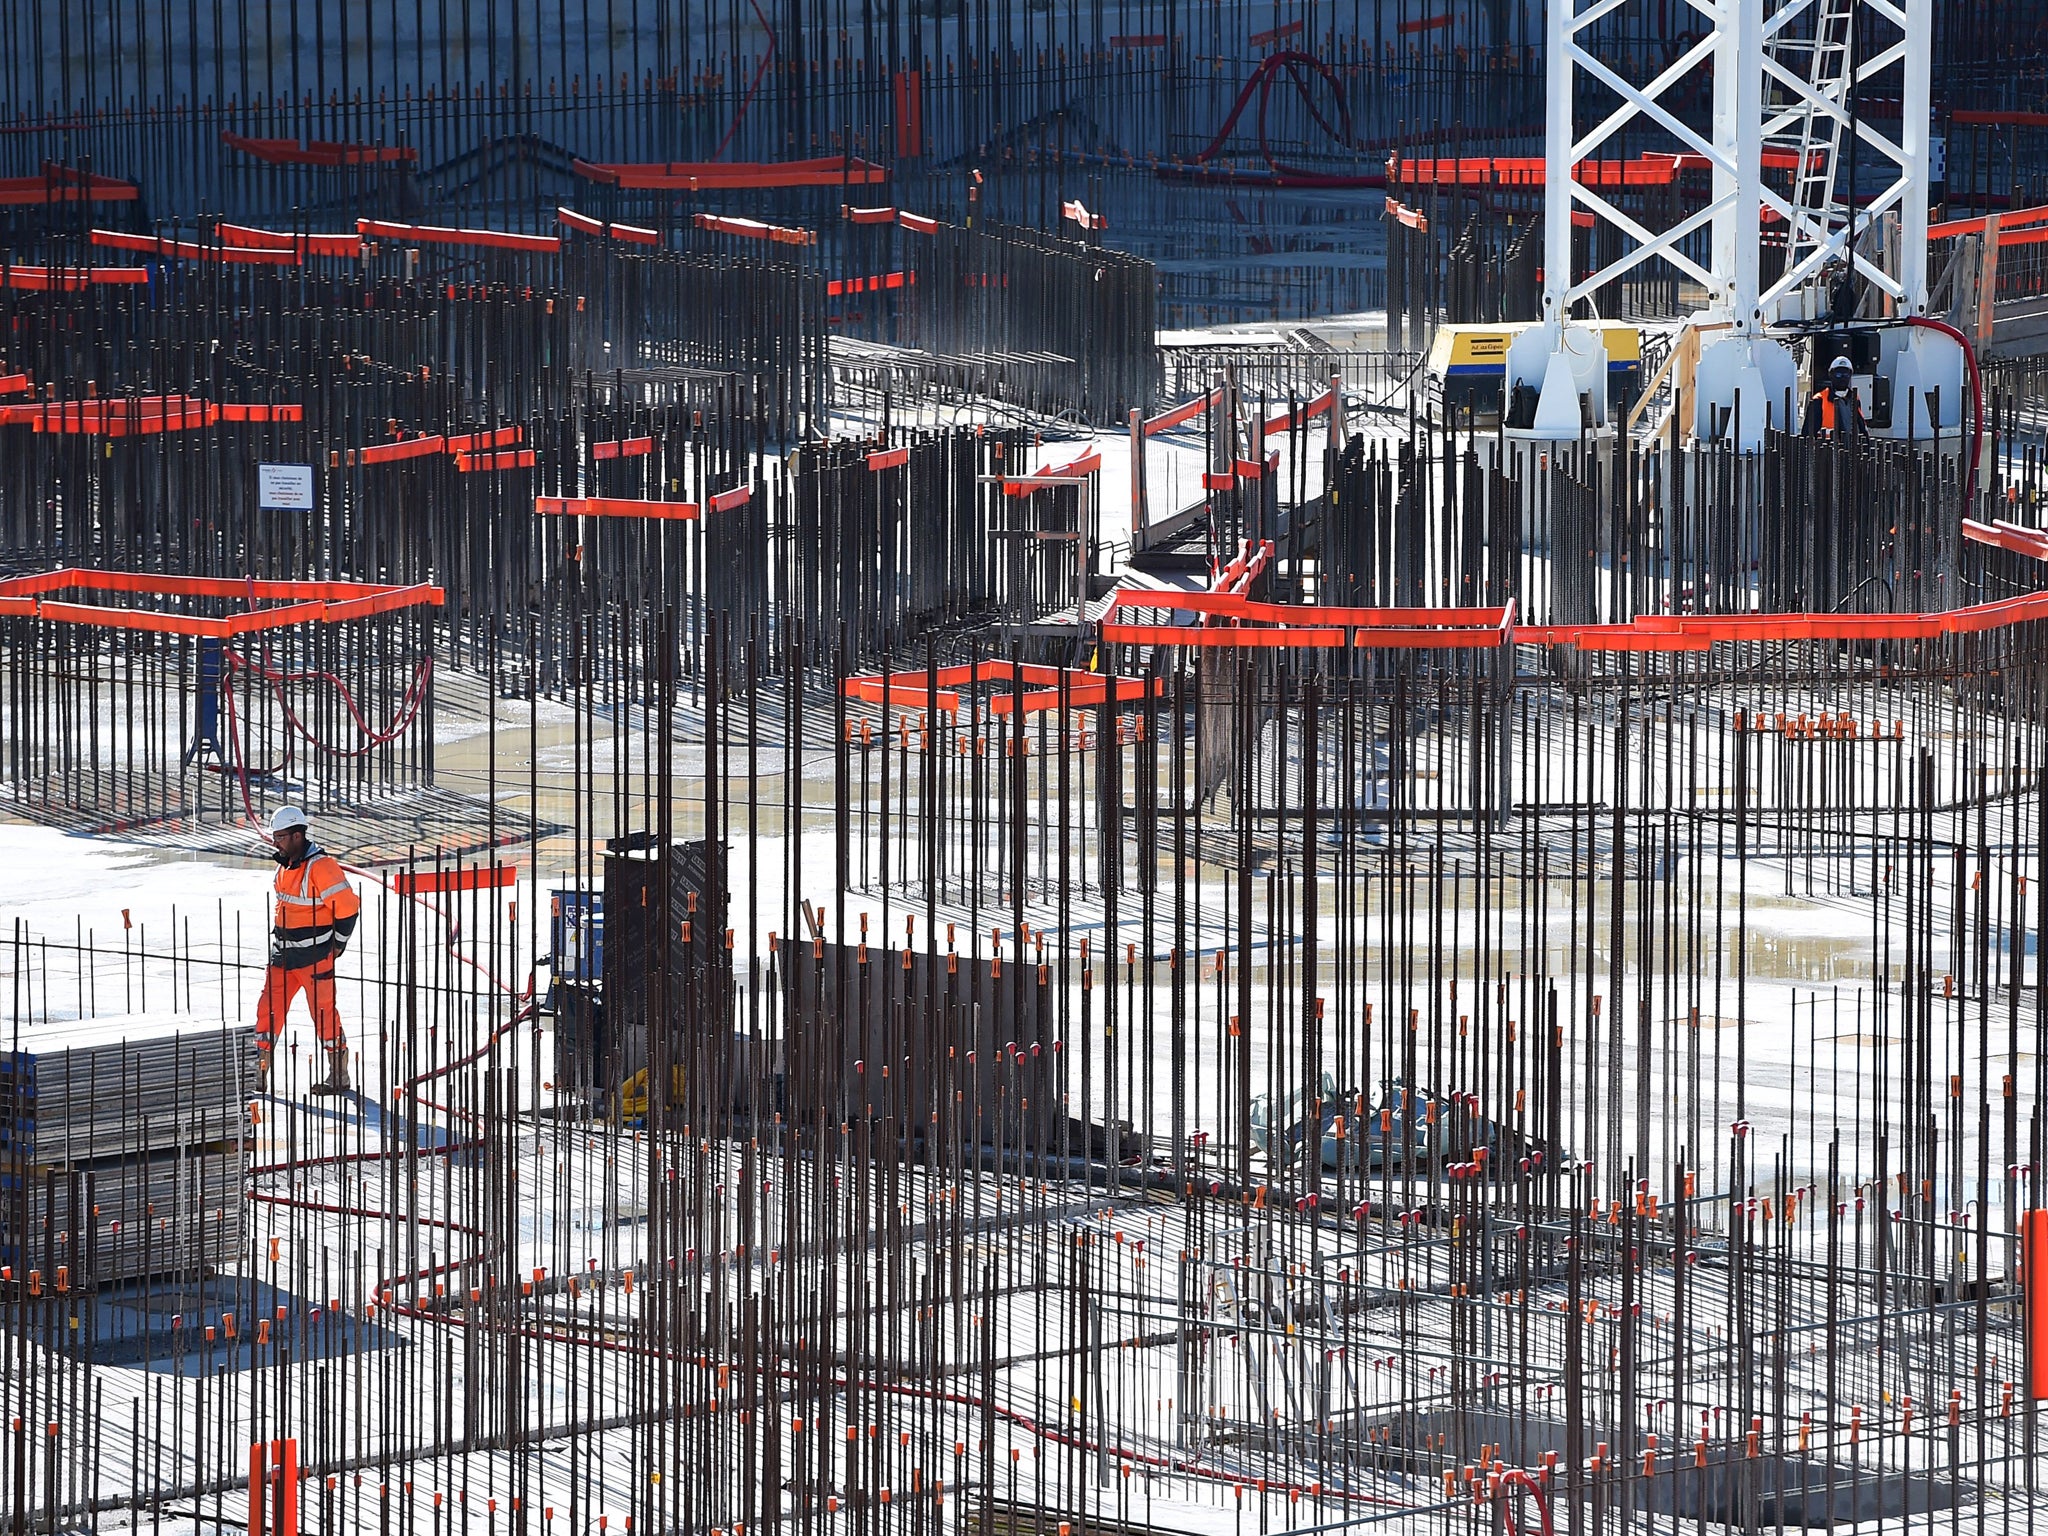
point(340, 948)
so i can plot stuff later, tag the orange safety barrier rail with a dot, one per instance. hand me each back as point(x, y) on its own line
point(888, 458)
point(68, 279)
point(2022, 226)
point(1234, 605)
point(1303, 414)
point(916, 690)
point(162, 246)
point(230, 411)
point(697, 175)
point(300, 602)
point(1306, 638)
point(753, 229)
point(1646, 170)
point(241, 235)
point(1992, 117)
point(2017, 218)
point(1045, 479)
point(916, 223)
point(2008, 536)
point(476, 442)
point(319, 152)
point(1412, 218)
point(1181, 415)
point(839, 287)
point(391, 453)
point(1244, 569)
point(1395, 629)
point(125, 416)
point(2035, 234)
point(584, 224)
point(1240, 469)
point(64, 184)
point(615, 506)
point(430, 882)
point(623, 448)
point(497, 459)
point(436, 234)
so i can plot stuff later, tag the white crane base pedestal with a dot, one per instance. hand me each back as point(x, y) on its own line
point(1567, 367)
point(1744, 386)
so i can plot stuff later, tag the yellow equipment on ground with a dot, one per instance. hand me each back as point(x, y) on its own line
point(1470, 366)
point(633, 1094)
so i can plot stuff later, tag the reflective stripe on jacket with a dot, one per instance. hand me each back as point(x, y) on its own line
point(315, 906)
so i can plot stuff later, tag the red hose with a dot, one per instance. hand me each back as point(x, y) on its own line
point(1976, 398)
point(739, 116)
point(408, 710)
point(408, 707)
point(1297, 64)
point(1515, 1477)
point(227, 693)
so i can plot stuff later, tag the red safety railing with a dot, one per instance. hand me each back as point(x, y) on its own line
point(753, 229)
point(1254, 625)
point(296, 602)
point(1648, 169)
point(584, 224)
point(1080, 468)
point(616, 506)
point(437, 234)
point(700, 175)
point(64, 184)
point(319, 152)
point(68, 279)
point(1048, 686)
point(135, 415)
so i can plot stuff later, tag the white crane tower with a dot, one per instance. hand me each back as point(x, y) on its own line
point(1785, 78)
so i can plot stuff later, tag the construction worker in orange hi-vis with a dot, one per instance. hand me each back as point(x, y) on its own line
point(315, 918)
point(1834, 410)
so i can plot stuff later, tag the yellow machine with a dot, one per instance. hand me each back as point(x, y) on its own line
point(633, 1095)
point(1469, 364)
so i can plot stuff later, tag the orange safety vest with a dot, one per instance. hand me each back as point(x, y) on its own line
point(315, 906)
point(1826, 402)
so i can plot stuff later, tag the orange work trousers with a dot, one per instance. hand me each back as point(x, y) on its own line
point(281, 985)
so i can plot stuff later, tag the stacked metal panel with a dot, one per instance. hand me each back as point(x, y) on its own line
point(121, 1150)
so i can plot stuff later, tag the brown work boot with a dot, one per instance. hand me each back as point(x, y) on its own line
point(336, 1080)
point(262, 1070)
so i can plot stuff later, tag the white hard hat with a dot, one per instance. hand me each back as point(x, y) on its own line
point(1840, 364)
point(287, 817)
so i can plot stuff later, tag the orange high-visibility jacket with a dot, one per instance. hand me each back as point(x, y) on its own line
point(1821, 412)
point(316, 911)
